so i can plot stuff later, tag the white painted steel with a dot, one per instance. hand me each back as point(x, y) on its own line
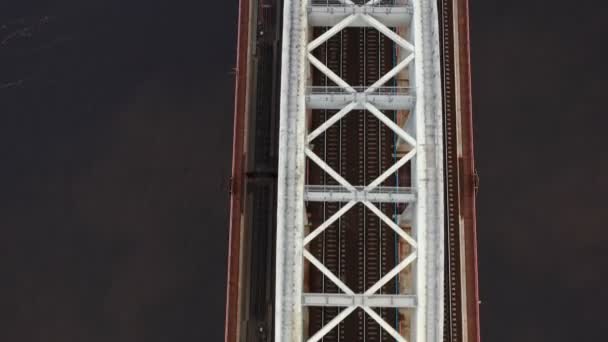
point(329, 170)
point(389, 75)
point(391, 124)
point(428, 180)
point(384, 176)
point(334, 119)
point(329, 222)
point(405, 236)
point(332, 324)
point(331, 15)
point(390, 275)
point(331, 32)
point(388, 32)
point(380, 101)
point(291, 173)
point(345, 300)
point(330, 74)
point(384, 325)
point(327, 273)
point(423, 132)
point(328, 14)
point(314, 193)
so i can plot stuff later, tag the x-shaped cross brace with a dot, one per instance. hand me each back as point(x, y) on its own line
point(395, 128)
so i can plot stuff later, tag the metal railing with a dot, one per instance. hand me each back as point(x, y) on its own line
point(382, 3)
point(339, 8)
point(319, 90)
point(338, 189)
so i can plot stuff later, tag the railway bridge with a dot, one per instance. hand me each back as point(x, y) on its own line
point(353, 186)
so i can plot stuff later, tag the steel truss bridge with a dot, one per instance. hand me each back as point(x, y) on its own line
point(415, 94)
point(353, 127)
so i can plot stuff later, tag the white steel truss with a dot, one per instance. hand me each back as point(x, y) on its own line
point(416, 23)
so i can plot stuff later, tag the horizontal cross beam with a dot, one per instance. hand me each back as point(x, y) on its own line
point(328, 193)
point(345, 300)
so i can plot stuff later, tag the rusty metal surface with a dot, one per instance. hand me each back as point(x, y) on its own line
point(469, 188)
point(453, 286)
point(237, 178)
point(462, 297)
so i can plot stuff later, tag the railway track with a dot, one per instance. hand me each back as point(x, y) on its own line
point(452, 287)
point(358, 247)
point(330, 246)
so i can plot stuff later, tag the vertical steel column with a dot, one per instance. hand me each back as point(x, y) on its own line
point(428, 178)
point(291, 174)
